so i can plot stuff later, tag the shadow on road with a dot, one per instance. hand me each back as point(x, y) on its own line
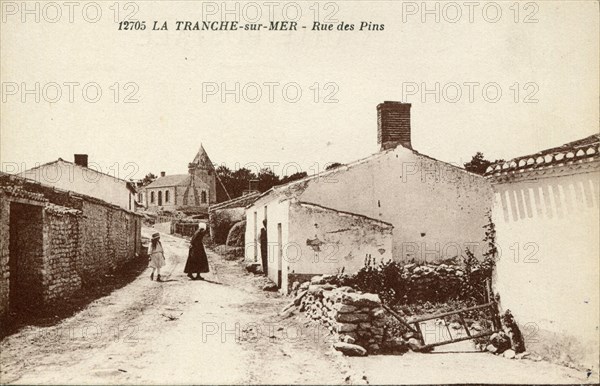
point(50, 315)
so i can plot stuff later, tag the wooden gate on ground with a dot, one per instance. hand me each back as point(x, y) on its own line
point(416, 325)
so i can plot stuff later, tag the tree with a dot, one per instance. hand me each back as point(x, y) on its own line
point(293, 177)
point(235, 182)
point(267, 179)
point(147, 180)
point(333, 165)
point(479, 164)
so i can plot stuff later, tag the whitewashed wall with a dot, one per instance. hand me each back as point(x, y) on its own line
point(437, 209)
point(547, 274)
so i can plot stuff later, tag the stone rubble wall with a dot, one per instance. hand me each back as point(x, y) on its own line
point(4, 251)
point(354, 317)
point(61, 256)
point(84, 238)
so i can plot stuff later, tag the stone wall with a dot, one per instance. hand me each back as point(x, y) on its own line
point(355, 318)
point(80, 239)
point(4, 251)
point(61, 255)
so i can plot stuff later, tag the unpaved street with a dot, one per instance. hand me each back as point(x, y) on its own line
point(223, 330)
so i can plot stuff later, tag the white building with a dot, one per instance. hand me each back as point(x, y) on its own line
point(78, 177)
point(396, 204)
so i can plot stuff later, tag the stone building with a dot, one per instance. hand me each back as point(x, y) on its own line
point(547, 220)
point(397, 203)
point(191, 193)
point(54, 241)
point(84, 178)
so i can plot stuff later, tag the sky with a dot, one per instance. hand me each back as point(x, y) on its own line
point(546, 70)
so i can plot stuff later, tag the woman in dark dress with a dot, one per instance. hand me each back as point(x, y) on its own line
point(197, 261)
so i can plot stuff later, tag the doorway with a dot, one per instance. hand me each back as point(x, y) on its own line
point(279, 255)
point(26, 258)
point(256, 238)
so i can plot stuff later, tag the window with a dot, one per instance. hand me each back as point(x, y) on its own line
point(140, 197)
point(160, 198)
point(203, 197)
point(152, 197)
point(166, 196)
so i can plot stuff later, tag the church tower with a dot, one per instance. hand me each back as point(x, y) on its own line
point(202, 189)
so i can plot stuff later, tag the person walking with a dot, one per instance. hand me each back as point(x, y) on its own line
point(157, 256)
point(197, 262)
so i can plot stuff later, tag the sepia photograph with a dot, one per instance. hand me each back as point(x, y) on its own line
point(340, 192)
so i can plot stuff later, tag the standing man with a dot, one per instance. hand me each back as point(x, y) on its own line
point(263, 247)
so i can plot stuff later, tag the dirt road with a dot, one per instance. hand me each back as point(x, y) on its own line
point(222, 330)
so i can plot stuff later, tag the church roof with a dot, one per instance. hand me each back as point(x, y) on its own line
point(172, 180)
point(175, 180)
point(201, 159)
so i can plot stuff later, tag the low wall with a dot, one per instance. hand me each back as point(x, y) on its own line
point(353, 317)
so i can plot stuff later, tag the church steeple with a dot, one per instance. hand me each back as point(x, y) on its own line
point(201, 160)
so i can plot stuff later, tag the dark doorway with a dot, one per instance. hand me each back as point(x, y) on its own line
point(25, 257)
point(279, 255)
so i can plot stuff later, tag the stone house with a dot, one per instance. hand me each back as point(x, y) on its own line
point(547, 222)
point(396, 204)
point(191, 193)
point(79, 177)
point(53, 241)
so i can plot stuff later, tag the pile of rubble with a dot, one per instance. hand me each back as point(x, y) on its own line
point(358, 321)
point(509, 342)
point(355, 318)
point(500, 344)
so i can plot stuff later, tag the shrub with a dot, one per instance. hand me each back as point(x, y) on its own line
point(398, 283)
point(220, 222)
point(237, 234)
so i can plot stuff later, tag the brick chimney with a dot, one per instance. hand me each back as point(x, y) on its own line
point(81, 160)
point(253, 185)
point(393, 125)
point(162, 174)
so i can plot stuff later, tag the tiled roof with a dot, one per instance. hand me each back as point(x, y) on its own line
point(128, 184)
point(16, 191)
point(583, 150)
point(172, 180)
point(297, 187)
point(238, 202)
point(61, 210)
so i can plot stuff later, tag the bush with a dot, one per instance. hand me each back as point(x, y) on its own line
point(398, 283)
point(220, 222)
point(237, 234)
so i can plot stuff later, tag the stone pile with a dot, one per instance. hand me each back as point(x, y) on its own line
point(500, 344)
point(357, 319)
point(430, 281)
